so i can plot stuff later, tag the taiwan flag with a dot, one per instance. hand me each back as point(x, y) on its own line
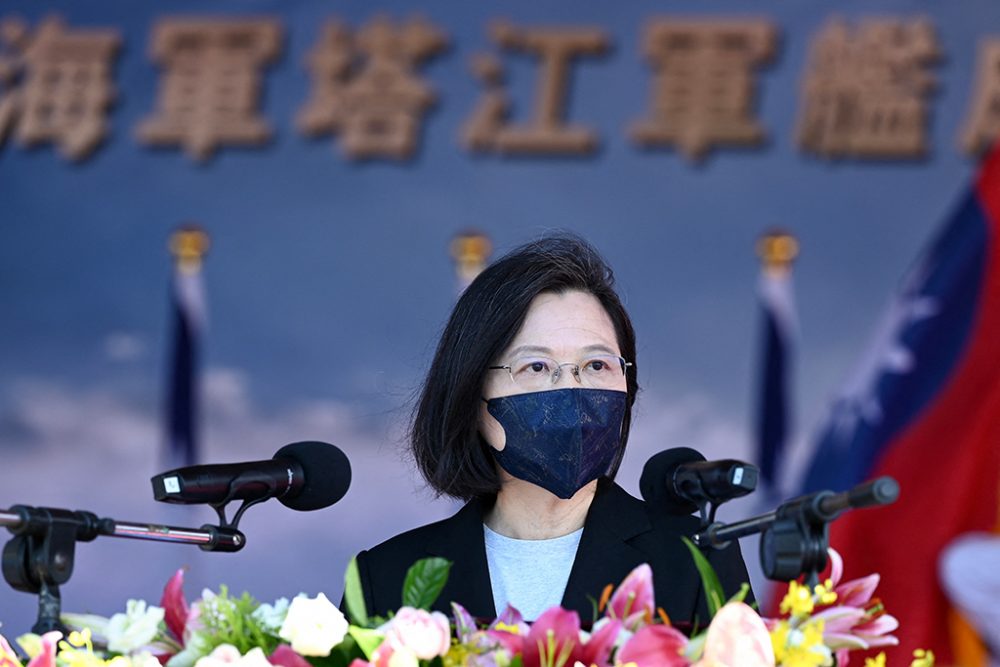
point(924, 407)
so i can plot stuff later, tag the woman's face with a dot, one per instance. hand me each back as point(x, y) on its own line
point(568, 328)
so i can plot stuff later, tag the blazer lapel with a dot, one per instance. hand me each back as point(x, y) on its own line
point(461, 541)
point(604, 555)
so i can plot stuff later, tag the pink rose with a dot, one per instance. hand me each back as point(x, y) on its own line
point(426, 634)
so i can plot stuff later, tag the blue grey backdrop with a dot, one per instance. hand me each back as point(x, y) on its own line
point(328, 281)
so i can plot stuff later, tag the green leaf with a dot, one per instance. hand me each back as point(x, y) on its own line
point(424, 582)
point(741, 594)
point(709, 579)
point(353, 596)
point(368, 640)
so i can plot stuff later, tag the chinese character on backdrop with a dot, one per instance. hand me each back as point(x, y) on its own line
point(547, 132)
point(702, 94)
point(210, 91)
point(982, 123)
point(55, 84)
point(865, 90)
point(366, 89)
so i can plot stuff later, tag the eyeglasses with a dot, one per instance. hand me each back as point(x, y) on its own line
point(599, 371)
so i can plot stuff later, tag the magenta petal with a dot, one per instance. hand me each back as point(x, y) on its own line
point(7, 656)
point(597, 651)
point(634, 595)
point(284, 656)
point(840, 619)
point(512, 620)
point(465, 625)
point(175, 607)
point(47, 657)
point(882, 625)
point(836, 566)
point(885, 640)
point(555, 635)
point(654, 646)
point(513, 644)
point(856, 592)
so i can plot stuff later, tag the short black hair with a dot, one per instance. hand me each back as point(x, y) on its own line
point(444, 435)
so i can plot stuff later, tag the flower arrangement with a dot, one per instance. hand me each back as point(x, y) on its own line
point(818, 627)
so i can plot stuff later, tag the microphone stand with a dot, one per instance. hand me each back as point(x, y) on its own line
point(795, 536)
point(39, 558)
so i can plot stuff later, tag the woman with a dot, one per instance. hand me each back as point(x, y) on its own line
point(524, 414)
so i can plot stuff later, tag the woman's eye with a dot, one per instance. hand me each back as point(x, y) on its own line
point(598, 365)
point(536, 367)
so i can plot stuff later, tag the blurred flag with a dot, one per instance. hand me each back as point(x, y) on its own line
point(471, 250)
point(187, 304)
point(777, 251)
point(924, 407)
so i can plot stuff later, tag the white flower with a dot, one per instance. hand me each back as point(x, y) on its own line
point(313, 626)
point(136, 628)
point(394, 656)
point(227, 655)
point(270, 616)
point(255, 658)
point(426, 634)
point(144, 659)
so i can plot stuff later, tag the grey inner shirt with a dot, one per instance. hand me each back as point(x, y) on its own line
point(530, 575)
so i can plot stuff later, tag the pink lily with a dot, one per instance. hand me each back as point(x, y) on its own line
point(175, 607)
point(655, 646)
point(853, 593)
point(284, 656)
point(509, 630)
point(632, 602)
point(7, 656)
point(854, 621)
point(554, 640)
point(465, 624)
point(597, 650)
point(47, 656)
point(737, 636)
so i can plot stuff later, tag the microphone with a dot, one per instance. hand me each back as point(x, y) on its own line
point(303, 476)
point(680, 480)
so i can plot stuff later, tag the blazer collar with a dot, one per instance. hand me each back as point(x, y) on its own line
point(461, 540)
point(603, 557)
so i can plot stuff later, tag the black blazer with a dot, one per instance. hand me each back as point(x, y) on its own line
point(620, 532)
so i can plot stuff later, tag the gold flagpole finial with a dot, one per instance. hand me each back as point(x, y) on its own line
point(777, 250)
point(471, 250)
point(188, 245)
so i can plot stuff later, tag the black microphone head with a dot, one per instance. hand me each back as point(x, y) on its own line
point(656, 482)
point(325, 471)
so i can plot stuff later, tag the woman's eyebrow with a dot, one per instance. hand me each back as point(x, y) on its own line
point(521, 349)
point(600, 347)
point(541, 349)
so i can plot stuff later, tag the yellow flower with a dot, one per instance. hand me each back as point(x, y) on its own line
point(779, 640)
point(800, 647)
point(798, 602)
point(877, 661)
point(824, 592)
point(503, 627)
point(922, 658)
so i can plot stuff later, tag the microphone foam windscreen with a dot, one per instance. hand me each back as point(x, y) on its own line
point(325, 470)
point(656, 482)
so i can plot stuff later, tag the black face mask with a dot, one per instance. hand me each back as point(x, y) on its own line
point(560, 439)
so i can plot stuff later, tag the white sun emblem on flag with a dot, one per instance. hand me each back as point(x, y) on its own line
point(858, 401)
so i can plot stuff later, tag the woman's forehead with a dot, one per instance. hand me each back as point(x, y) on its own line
point(568, 320)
